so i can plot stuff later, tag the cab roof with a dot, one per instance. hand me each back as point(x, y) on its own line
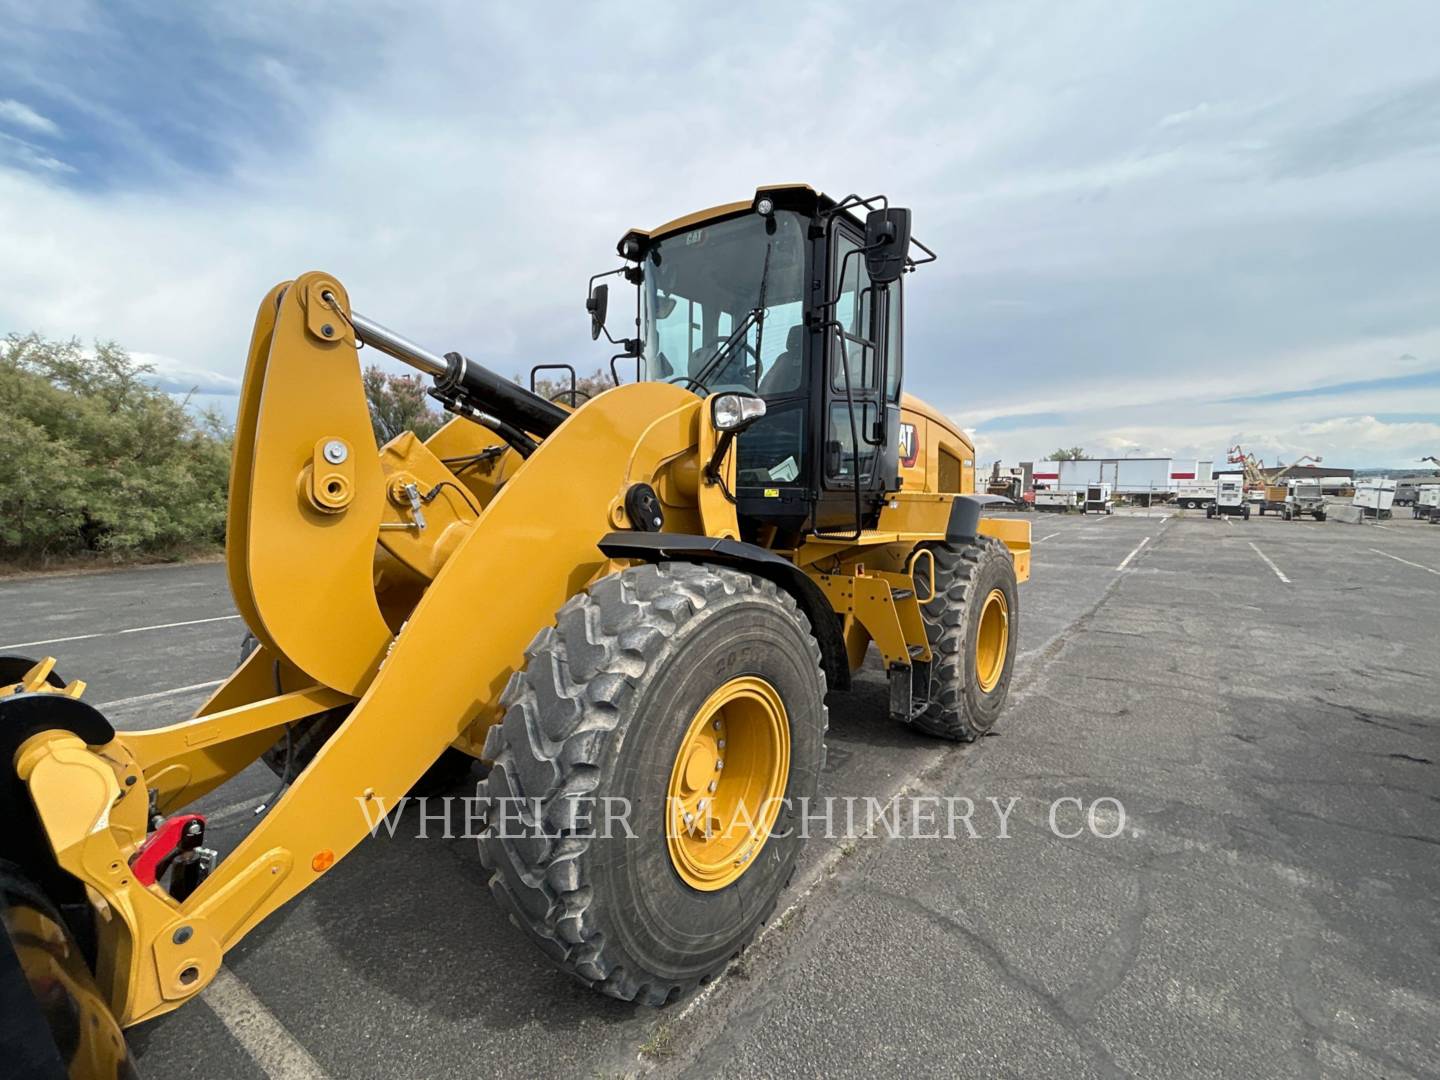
point(801, 197)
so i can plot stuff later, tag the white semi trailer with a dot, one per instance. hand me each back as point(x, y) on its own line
point(1135, 477)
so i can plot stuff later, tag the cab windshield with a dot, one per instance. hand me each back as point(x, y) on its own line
point(702, 285)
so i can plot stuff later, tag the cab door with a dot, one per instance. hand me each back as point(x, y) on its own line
point(861, 389)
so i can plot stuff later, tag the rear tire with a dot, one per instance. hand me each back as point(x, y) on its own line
point(600, 712)
point(966, 578)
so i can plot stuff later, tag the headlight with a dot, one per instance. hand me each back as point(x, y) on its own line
point(735, 412)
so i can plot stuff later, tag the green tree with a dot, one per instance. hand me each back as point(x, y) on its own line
point(93, 457)
point(558, 388)
point(1075, 453)
point(399, 403)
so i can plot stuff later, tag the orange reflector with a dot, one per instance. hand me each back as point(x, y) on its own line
point(322, 861)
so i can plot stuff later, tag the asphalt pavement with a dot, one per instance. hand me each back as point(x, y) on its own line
point(1203, 843)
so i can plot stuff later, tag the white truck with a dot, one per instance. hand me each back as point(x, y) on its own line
point(1303, 497)
point(1097, 500)
point(1053, 501)
point(1229, 498)
point(1375, 497)
point(1194, 495)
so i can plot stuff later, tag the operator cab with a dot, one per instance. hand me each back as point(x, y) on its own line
point(796, 299)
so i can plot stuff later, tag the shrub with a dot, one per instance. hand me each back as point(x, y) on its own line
point(94, 458)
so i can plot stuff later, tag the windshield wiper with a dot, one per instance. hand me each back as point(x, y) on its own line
point(756, 318)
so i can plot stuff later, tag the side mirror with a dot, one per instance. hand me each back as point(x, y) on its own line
point(887, 242)
point(597, 303)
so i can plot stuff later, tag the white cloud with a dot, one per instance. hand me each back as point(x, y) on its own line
point(1184, 116)
point(21, 115)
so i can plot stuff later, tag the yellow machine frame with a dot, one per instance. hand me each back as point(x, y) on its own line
point(353, 603)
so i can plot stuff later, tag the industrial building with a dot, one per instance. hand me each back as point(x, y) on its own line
point(1309, 472)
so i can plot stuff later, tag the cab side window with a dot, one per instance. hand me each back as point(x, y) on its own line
point(855, 350)
point(854, 341)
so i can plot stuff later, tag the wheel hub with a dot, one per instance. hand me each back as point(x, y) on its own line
point(992, 640)
point(726, 784)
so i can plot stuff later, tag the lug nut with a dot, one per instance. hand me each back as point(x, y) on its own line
point(712, 787)
point(721, 744)
point(719, 764)
point(717, 725)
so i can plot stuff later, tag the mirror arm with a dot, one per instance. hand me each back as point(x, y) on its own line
point(930, 256)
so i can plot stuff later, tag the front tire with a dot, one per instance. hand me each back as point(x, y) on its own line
point(606, 708)
point(973, 626)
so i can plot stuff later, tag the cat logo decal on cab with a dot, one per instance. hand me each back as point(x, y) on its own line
point(909, 445)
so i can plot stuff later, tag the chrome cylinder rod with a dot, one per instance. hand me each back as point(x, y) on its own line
point(396, 345)
point(460, 379)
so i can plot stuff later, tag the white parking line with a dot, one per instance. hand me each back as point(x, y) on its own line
point(1407, 562)
point(158, 694)
point(115, 633)
point(1132, 554)
point(1047, 537)
point(256, 1028)
point(1270, 564)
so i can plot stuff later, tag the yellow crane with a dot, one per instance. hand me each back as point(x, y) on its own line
point(1295, 465)
point(1254, 477)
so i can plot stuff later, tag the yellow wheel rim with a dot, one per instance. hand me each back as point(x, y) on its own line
point(992, 640)
point(727, 783)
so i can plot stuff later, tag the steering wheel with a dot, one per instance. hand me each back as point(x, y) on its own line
point(749, 364)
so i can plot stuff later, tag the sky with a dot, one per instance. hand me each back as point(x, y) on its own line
point(1163, 228)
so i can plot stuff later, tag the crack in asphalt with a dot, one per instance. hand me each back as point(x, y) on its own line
point(1108, 970)
point(1316, 1021)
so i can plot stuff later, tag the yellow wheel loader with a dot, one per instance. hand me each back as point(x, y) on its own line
point(630, 608)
